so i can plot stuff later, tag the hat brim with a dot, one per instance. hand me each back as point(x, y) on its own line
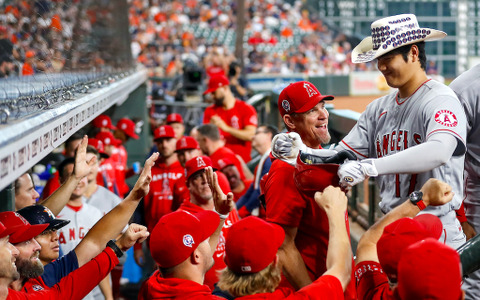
point(132, 135)
point(57, 224)
point(201, 170)
point(210, 90)
point(364, 51)
point(28, 233)
point(311, 104)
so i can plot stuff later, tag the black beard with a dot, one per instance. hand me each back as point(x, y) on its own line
point(218, 101)
point(28, 269)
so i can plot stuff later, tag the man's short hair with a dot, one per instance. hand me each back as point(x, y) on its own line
point(270, 128)
point(209, 130)
point(404, 50)
point(63, 164)
point(76, 136)
point(17, 181)
point(93, 150)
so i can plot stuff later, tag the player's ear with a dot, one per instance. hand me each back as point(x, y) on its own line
point(288, 119)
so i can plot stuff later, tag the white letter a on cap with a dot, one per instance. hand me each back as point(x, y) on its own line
point(309, 89)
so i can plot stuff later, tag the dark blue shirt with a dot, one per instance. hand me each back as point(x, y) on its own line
point(59, 268)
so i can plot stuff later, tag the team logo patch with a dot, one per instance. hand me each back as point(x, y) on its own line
point(446, 118)
point(246, 268)
point(348, 179)
point(310, 90)
point(37, 287)
point(286, 105)
point(200, 162)
point(49, 212)
point(107, 141)
point(188, 240)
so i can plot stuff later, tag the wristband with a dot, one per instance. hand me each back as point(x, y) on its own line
point(114, 247)
point(222, 217)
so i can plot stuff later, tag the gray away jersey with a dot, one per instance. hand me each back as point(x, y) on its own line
point(467, 88)
point(390, 125)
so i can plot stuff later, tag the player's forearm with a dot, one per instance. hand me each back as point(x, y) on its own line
point(418, 159)
point(107, 228)
point(57, 201)
point(367, 246)
point(293, 267)
point(245, 134)
point(339, 254)
point(106, 288)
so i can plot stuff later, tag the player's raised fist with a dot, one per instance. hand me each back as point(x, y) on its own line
point(287, 146)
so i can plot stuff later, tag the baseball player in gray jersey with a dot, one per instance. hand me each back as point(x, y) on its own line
point(413, 134)
point(466, 86)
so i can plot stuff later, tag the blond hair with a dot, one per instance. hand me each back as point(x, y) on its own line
point(239, 285)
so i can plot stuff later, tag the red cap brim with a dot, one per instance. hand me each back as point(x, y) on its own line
point(28, 233)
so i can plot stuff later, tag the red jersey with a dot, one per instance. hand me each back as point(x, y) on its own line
point(247, 184)
point(160, 199)
point(51, 186)
point(238, 117)
point(325, 287)
point(215, 71)
point(224, 152)
point(119, 158)
point(75, 285)
point(372, 282)
point(157, 287)
point(211, 276)
point(287, 206)
point(107, 169)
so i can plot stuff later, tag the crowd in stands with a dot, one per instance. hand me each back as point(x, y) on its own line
point(280, 38)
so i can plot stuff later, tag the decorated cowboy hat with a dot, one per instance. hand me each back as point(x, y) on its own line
point(391, 33)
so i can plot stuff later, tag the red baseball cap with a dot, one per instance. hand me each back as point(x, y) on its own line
point(103, 121)
point(186, 143)
point(215, 82)
point(324, 174)
point(98, 144)
point(128, 126)
point(196, 164)
point(107, 138)
point(252, 244)
point(174, 118)
point(21, 230)
point(399, 235)
point(224, 162)
point(3, 231)
point(179, 233)
point(164, 131)
point(299, 97)
point(429, 270)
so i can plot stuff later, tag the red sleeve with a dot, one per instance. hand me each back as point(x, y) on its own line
point(249, 115)
point(78, 283)
point(372, 282)
point(284, 203)
point(325, 287)
point(461, 214)
point(207, 115)
point(51, 186)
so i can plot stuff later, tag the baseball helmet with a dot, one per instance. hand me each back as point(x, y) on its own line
point(39, 214)
point(314, 173)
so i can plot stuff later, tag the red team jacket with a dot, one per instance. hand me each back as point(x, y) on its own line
point(238, 117)
point(74, 286)
point(167, 191)
point(211, 276)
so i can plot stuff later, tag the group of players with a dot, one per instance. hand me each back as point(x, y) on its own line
point(412, 141)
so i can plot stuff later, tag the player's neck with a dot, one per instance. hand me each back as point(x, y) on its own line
point(171, 159)
point(412, 85)
point(4, 288)
point(17, 284)
point(229, 101)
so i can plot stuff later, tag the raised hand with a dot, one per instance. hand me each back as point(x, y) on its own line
point(224, 204)
point(142, 186)
point(353, 172)
point(436, 192)
point(287, 146)
point(332, 199)
point(82, 167)
point(135, 233)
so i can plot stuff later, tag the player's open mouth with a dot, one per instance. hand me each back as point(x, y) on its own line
point(324, 126)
